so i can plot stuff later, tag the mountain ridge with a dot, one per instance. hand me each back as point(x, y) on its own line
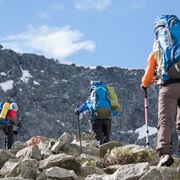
point(47, 92)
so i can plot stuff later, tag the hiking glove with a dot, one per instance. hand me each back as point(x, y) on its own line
point(15, 133)
point(76, 111)
point(144, 88)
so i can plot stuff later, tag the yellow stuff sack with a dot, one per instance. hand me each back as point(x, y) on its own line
point(4, 108)
point(113, 98)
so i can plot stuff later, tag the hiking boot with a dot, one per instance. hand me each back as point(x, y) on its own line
point(165, 160)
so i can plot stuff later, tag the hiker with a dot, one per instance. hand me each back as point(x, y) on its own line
point(7, 121)
point(166, 67)
point(100, 110)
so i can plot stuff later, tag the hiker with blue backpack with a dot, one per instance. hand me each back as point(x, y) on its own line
point(101, 103)
point(8, 113)
point(164, 62)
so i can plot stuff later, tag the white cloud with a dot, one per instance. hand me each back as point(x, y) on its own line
point(53, 42)
point(98, 5)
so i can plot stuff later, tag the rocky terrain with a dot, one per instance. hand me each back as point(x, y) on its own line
point(47, 93)
point(43, 158)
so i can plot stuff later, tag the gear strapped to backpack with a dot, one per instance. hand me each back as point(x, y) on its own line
point(4, 108)
point(100, 100)
point(167, 34)
point(113, 98)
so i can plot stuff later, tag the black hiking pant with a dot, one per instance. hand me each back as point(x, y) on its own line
point(8, 136)
point(102, 130)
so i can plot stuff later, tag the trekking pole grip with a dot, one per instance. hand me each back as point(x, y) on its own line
point(145, 93)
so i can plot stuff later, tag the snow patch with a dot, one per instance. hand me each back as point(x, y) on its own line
point(36, 83)
point(142, 131)
point(7, 85)
point(64, 80)
point(25, 76)
point(3, 73)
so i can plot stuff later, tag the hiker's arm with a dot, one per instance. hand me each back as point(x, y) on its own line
point(149, 72)
point(83, 107)
point(11, 116)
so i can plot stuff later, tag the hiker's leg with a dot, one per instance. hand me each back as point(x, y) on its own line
point(5, 129)
point(107, 130)
point(10, 137)
point(167, 103)
point(97, 126)
point(178, 122)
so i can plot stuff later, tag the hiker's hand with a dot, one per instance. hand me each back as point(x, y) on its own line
point(19, 124)
point(15, 132)
point(143, 88)
point(76, 111)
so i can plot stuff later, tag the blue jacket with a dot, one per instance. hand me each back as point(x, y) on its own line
point(88, 106)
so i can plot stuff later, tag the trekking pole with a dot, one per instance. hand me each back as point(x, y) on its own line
point(146, 117)
point(79, 128)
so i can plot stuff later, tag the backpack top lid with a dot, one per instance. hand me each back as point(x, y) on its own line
point(94, 84)
point(165, 20)
point(13, 106)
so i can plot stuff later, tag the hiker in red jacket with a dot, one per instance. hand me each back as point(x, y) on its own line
point(8, 113)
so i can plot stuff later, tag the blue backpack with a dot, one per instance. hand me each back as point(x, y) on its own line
point(167, 34)
point(100, 101)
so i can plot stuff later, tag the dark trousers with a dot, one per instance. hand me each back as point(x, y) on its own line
point(102, 130)
point(8, 133)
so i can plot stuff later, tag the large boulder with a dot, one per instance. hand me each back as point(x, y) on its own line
point(60, 160)
point(57, 173)
point(17, 168)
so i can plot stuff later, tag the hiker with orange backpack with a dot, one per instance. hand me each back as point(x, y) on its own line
point(100, 108)
point(8, 113)
point(164, 60)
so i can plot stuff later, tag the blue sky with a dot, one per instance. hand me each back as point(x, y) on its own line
point(85, 32)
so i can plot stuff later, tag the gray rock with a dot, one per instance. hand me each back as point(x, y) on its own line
point(32, 152)
point(57, 173)
point(60, 160)
point(5, 156)
point(63, 141)
point(17, 168)
point(131, 171)
point(107, 147)
point(162, 173)
point(17, 146)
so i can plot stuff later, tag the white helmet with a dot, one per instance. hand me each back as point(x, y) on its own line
point(13, 106)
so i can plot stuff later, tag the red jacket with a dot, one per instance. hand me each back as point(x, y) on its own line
point(11, 116)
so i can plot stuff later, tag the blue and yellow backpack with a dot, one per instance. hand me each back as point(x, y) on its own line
point(4, 108)
point(167, 34)
point(104, 99)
